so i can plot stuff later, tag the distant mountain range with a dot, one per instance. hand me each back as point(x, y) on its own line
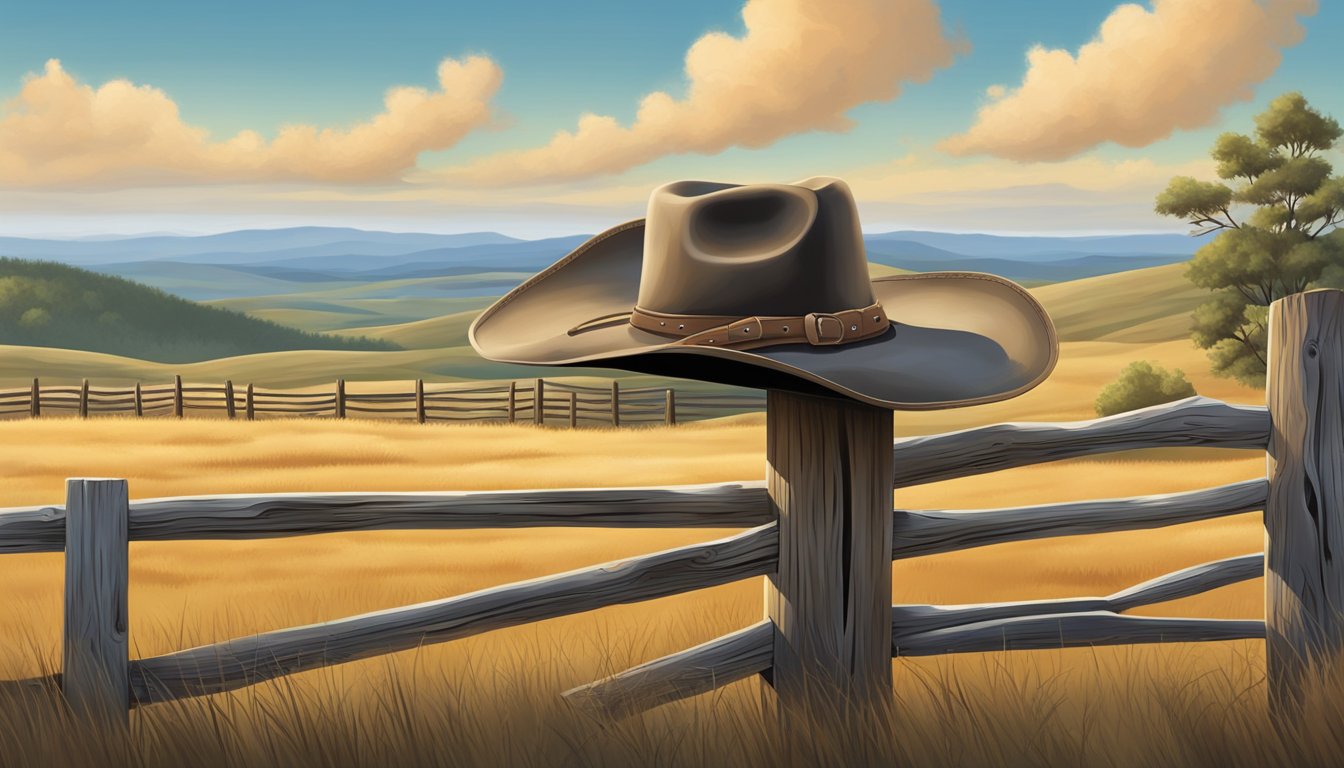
point(274, 261)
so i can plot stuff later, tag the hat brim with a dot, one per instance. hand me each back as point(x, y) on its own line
point(957, 338)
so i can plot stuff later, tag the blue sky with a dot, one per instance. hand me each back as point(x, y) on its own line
point(257, 67)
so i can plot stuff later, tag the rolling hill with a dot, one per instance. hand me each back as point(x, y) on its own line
point(43, 304)
point(1141, 306)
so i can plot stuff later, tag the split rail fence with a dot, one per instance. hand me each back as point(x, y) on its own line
point(560, 403)
point(821, 528)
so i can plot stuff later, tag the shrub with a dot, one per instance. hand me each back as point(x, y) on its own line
point(1140, 385)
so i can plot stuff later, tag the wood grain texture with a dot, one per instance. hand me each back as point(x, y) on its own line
point(829, 478)
point(95, 645)
point(1304, 517)
point(259, 516)
point(913, 620)
point(245, 661)
point(1192, 422)
point(915, 534)
point(1071, 630)
point(680, 675)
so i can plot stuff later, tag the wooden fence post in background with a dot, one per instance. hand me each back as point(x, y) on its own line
point(229, 405)
point(139, 401)
point(829, 477)
point(513, 402)
point(573, 410)
point(177, 396)
point(96, 652)
point(670, 408)
point(1304, 512)
point(340, 398)
point(249, 408)
point(35, 400)
point(615, 403)
point(539, 402)
point(84, 400)
point(420, 401)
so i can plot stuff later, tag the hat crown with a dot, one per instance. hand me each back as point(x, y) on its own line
point(754, 249)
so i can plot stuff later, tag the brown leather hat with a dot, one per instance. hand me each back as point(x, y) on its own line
point(766, 285)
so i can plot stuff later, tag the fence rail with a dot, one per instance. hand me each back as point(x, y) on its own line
point(538, 401)
point(798, 520)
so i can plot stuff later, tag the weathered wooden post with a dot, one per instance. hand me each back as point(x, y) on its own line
point(513, 402)
point(84, 399)
point(670, 408)
point(177, 396)
point(420, 401)
point(573, 410)
point(1304, 513)
point(539, 402)
point(229, 406)
point(249, 406)
point(615, 403)
point(829, 475)
point(35, 400)
point(139, 401)
point(340, 398)
point(96, 652)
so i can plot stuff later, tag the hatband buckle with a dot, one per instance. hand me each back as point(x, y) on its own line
point(823, 329)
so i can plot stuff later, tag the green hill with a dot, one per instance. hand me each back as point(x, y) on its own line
point(44, 304)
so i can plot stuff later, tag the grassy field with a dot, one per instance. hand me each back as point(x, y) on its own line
point(493, 699)
point(505, 683)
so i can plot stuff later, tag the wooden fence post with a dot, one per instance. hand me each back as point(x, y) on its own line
point(229, 405)
point(420, 401)
point(340, 398)
point(615, 403)
point(177, 396)
point(96, 657)
point(829, 476)
point(670, 408)
point(84, 400)
point(249, 408)
point(573, 410)
point(1304, 512)
point(513, 402)
point(35, 400)
point(539, 402)
point(139, 401)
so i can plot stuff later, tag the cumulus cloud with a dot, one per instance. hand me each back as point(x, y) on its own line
point(800, 66)
point(59, 131)
point(1146, 74)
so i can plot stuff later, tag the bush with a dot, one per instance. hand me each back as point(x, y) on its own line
point(1140, 385)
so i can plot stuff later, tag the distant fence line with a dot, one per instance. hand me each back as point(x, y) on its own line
point(538, 401)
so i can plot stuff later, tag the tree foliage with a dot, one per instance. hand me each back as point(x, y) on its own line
point(1288, 242)
point(1140, 385)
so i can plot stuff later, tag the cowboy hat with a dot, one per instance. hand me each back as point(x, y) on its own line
point(767, 286)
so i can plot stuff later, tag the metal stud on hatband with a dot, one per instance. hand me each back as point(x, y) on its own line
point(853, 327)
point(660, 322)
point(746, 330)
point(681, 327)
point(786, 329)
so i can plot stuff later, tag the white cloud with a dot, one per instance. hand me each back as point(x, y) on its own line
point(1146, 74)
point(800, 66)
point(58, 131)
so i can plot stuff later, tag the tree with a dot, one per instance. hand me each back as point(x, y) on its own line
point(1289, 242)
point(1140, 385)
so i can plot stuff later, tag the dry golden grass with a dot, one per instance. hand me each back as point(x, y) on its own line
point(492, 699)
